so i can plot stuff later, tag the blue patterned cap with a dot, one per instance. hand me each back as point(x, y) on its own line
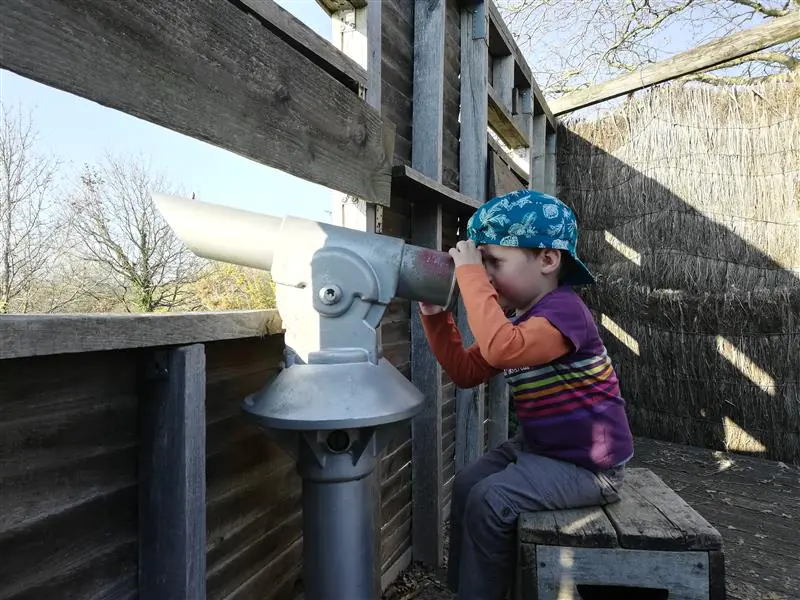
point(530, 219)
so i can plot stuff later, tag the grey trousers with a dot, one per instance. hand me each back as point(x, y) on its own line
point(489, 495)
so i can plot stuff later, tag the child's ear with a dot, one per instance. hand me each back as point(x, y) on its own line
point(551, 261)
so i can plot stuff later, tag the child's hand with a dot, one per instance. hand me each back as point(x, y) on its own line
point(465, 253)
point(430, 309)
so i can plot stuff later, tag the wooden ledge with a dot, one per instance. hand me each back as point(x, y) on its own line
point(304, 39)
point(40, 335)
point(415, 186)
point(500, 120)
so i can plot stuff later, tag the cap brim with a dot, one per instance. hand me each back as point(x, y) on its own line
point(579, 273)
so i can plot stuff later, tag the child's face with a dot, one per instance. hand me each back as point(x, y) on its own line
point(520, 276)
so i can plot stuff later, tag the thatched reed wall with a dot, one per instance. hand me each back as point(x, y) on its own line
point(687, 198)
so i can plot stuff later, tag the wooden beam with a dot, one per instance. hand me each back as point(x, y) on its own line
point(538, 153)
point(426, 426)
point(503, 81)
point(309, 43)
point(209, 70)
point(501, 120)
point(426, 230)
point(428, 85)
point(513, 165)
point(42, 335)
point(499, 23)
point(550, 159)
point(172, 475)
point(502, 179)
point(497, 395)
point(474, 100)
point(332, 6)
point(473, 167)
point(716, 53)
point(413, 185)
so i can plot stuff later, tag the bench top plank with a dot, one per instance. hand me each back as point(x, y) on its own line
point(576, 527)
point(651, 516)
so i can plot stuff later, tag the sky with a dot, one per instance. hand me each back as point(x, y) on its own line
point(79, 131)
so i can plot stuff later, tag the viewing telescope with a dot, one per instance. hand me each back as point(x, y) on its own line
point(336, 403)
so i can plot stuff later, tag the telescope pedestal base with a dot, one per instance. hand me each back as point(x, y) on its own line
point(335, 419)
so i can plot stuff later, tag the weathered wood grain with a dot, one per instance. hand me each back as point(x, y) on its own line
point(428, 116)
point(68, 464)
point(426, 428)
point(39, 335)
point(309, 43)
point(577, 527)
point(650, 516)
point(172, 474)
point(209, 70)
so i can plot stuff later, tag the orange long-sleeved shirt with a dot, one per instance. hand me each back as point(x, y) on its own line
point(499, 344)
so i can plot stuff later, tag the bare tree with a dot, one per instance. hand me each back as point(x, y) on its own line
point(140, 264)
point(29, 229)
point(573, 44)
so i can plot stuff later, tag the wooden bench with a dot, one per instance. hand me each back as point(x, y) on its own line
point(650, 544)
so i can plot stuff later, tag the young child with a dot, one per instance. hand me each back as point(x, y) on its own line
point(520, 260)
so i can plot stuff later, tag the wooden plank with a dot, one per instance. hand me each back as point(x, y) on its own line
point(211, 71)
point(550, 159)
point(503, 81)
point(650, 516)
point(473, 180)
point(497, 397)
point(577, 527)
point(39, 335)
point(172, 476)
point(426, 375)
point(428, 124)
point(707, 56)
point(538, 153)
point(502, 179)
point(560, 570)
point(512, 164)
point(309, 43)
point(412, 184)
point(474, 101)
point(508, 40)
point(500, 119)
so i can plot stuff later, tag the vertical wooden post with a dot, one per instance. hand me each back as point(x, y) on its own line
point(550, 164)
point(503, 80)
point(426, 427)
point(538, 141)
point(473, 179)
point(172, 481)
point(357, 33)
point(497, 394)
point(426, 230)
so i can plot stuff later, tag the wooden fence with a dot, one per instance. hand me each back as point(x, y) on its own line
point(374, 117)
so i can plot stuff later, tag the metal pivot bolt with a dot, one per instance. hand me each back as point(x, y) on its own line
point(330, 294)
